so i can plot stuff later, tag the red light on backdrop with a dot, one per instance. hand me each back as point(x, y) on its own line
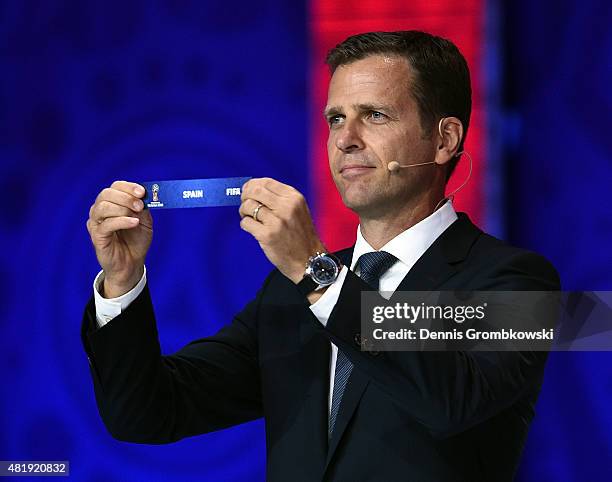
point(331, 21)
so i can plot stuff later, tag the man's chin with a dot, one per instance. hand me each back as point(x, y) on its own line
point(365, 207)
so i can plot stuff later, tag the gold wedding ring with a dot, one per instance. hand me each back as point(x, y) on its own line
point(256, 212)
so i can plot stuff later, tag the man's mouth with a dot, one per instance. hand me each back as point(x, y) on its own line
point(355, 168)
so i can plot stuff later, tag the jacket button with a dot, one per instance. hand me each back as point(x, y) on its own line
point(357, 339)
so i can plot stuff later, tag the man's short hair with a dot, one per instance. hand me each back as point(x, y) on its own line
point(441, 86)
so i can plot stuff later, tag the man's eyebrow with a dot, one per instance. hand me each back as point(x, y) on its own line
point(332, 111)
point(373, 106)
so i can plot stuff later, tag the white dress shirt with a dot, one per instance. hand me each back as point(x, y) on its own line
point(407, 247)
point(109, 308)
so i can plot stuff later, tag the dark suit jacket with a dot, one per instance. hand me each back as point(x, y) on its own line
point(415, 416)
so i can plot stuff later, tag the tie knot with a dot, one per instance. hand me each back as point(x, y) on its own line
point(373, 265)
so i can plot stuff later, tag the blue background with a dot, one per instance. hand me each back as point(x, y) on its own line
point(97, 91)
point(558, 72)
point(91, 92)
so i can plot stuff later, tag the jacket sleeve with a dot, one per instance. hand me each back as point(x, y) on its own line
point(144, 397)
point(449, 391)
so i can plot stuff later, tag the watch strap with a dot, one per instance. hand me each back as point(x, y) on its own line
point(307, 285)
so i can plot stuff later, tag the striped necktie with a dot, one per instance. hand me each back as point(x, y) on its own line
point(372, 266)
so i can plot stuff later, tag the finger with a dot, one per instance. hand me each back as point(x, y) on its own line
point(277, 187)
point(248, 207)
point(260, 190)
point(110, 225)
point(264, 196)
point(255, 189)
point(253, 227)
point(121, 198)
point(129, 187)
point(106, 209)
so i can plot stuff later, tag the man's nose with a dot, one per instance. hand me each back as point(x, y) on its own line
point(349, 138)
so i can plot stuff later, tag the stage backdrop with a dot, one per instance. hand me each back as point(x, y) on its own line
point(558, 72)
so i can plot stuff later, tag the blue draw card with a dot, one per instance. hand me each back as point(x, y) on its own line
point(193, 193)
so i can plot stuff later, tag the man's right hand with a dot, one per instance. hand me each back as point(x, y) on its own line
point(121, 231)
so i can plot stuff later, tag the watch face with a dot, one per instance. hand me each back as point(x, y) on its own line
point(324, 270)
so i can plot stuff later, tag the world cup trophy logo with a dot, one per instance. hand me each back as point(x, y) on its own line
point(155, 189)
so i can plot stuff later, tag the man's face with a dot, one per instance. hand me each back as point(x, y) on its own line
point(374, 120)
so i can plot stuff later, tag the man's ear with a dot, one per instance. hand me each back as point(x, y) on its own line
point(450, 131)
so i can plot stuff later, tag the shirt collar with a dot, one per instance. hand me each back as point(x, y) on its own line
point(411, 244)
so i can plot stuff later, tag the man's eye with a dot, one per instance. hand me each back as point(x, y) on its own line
point(375, 115)
point(333, 120)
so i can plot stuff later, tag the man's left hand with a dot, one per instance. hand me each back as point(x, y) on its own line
point(283, 227)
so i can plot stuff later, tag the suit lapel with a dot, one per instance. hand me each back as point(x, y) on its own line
point(346, 255)
point(315, 356)
point(437, 265)
point(440, 262)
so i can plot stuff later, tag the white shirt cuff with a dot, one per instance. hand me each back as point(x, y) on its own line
point(323, 307)
point(109, 308)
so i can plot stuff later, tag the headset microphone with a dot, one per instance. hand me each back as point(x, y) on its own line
point(395, 166)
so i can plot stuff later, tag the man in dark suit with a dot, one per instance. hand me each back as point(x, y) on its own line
point(294, 354)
